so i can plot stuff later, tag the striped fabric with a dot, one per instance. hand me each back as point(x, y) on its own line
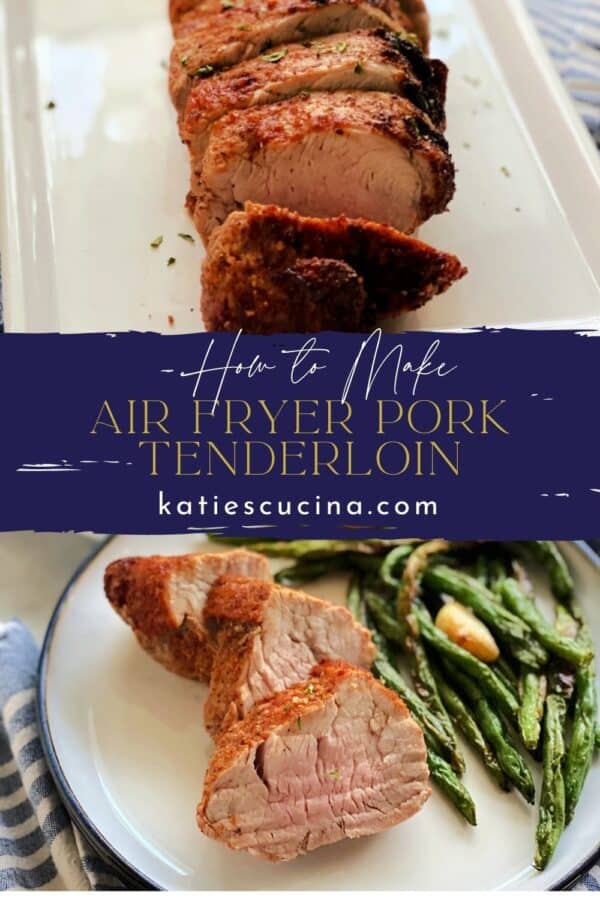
point(571, 31)
point(39, 847)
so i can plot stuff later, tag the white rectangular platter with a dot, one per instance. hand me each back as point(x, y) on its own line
point(87, 184)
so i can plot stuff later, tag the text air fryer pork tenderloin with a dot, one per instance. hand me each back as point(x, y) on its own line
point(369, 155)
point(269, 270)
point(215, 37)
point(267, 638)
point(366, 60)
point(337, 756)
point(162, 599)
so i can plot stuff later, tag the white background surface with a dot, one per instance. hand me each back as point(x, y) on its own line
point(130, 740)
point(34, 569)
point(90, 183)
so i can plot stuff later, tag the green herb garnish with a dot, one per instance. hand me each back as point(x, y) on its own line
point(203, 72)
point(156, 242)
point(335, 774)
point(341, 46)
point(186, 237)
point(274, 57)
point(171, 261)
point(358, 69)
point(51, 105)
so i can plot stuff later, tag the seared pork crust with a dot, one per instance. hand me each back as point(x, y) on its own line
point(415, 10)
point(363, 154)
point(335, 756)
point(307, 295)
point(373, 59)
point(162, 598)
point(214, 37)
point(253, 277)
point(266, 637)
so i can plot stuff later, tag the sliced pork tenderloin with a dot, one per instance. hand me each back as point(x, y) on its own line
point(337, 756)
point(162, 599)
point(367, 60)
point(268, 270)
point(415, 10)
point(308, 295)
point(218, 37)
point(361, 154)
point(267, 637)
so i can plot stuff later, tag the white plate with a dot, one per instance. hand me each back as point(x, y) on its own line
point(126, 742)
point(86, 186)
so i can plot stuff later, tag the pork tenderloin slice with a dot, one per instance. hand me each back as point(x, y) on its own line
point(217, 38)
point(337, 756)
point(368, 60)
point(309, 295)
point(267, 637)
point(415, 10)
point(305, 296)
point(361, 154)
point(269, 270)
point(162, 599)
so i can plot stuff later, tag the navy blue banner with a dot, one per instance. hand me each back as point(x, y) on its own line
point(492, 434)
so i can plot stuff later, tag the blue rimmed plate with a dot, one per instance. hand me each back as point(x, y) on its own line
point(125, 742)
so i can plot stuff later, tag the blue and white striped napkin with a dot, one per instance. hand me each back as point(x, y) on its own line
point(39, 847)
point(571, 32)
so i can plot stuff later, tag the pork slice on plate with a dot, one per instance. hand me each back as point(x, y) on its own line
point(366, 60)
point(162, 599)
point(362, 154)
point(269, 270)
point(219, 36)
point(336, 756)
point(415, 11)
point(266, 638)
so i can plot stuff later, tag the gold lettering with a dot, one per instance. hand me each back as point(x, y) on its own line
point(318, 462)
point(342, 422)
point(240, 423)
point(182, 454)
point(153, 452)
point(112, 421)
point(416, 407)
point(402, 448)
point(381, 407)
point(488, 415)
